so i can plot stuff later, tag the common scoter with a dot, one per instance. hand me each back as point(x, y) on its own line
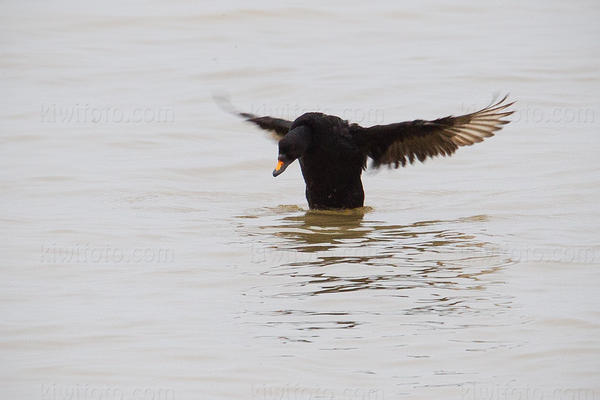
point(333, 152)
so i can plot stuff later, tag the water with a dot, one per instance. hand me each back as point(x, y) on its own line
point(149, 253)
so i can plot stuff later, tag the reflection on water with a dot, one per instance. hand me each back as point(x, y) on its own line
point(425, 268)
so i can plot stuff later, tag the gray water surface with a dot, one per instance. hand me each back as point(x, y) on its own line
point(149, 253)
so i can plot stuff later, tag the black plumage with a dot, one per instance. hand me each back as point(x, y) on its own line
point(333, 153)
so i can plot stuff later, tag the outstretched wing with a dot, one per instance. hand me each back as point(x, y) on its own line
point(395, 144)
point(277, 126)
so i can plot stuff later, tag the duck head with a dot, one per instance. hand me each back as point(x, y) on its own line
point(293, 145)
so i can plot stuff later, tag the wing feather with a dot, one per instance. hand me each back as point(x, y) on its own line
point(401, 143)
point(278, 127)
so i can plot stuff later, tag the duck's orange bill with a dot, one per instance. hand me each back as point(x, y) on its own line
point(279, 165)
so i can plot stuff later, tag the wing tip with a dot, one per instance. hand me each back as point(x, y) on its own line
point(224, 102)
